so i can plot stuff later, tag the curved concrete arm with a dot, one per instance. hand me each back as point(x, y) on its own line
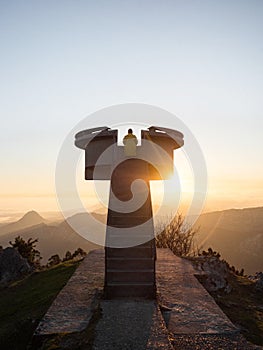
point(174, 134)
point(83, 137)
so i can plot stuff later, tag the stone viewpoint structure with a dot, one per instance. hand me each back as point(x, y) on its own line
point(130, 252)
point(184, 316)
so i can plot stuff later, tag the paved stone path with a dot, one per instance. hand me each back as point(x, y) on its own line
point(193, 321)
point(131, 325)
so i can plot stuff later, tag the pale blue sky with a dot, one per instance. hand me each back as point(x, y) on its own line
point(201, 60)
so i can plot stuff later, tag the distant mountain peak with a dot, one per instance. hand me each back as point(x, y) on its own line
point(31, 218)
point(31, 213)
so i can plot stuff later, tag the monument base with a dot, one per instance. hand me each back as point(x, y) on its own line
point(192, 318)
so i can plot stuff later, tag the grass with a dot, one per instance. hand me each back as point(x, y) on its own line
point(244, 307)
point(24, 303)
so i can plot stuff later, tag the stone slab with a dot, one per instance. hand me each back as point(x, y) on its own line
point(188, 308)
point(73, 307)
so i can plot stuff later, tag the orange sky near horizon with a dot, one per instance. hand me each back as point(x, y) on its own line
point(222, 194)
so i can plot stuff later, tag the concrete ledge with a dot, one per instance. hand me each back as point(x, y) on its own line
point(188, 308)
point(73, 307)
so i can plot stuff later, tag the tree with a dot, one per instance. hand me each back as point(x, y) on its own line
point(79, 253)
point(54, 260)
point(27, 249)
point(177, 235)
point(210, 253)
point(68, 256)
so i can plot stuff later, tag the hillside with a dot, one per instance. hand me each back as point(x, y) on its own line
point(238, 296)
point(237, 234)
point(52, 239)
point(23, 304)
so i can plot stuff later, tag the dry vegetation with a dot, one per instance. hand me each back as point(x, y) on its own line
point(177, 235)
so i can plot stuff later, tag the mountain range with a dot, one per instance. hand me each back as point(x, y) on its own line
point(237, 234)
point(31, 218)
point(55, 238)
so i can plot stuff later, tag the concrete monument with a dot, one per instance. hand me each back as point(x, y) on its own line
point(130, 252)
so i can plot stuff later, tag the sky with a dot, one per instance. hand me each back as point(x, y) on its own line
point(63, 60)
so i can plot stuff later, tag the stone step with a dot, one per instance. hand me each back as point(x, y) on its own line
point(121, 221)
point(125, 241)
point(145, 290)
point(130, 275)
point(139, 231)
point(129, 263)
point(135, 210)
point(129, 224)
point(119, 233)
point(146, 251)
point(141, 208)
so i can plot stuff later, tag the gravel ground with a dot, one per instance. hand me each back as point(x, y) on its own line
point(130, 325)
point(212, 342)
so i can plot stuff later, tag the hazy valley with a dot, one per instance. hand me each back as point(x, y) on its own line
point(53, 238)
point(236, 233)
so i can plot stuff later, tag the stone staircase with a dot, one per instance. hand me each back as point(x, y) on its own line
point(130, 272)
point(130, 254)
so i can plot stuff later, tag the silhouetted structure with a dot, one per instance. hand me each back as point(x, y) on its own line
point(130, 246)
